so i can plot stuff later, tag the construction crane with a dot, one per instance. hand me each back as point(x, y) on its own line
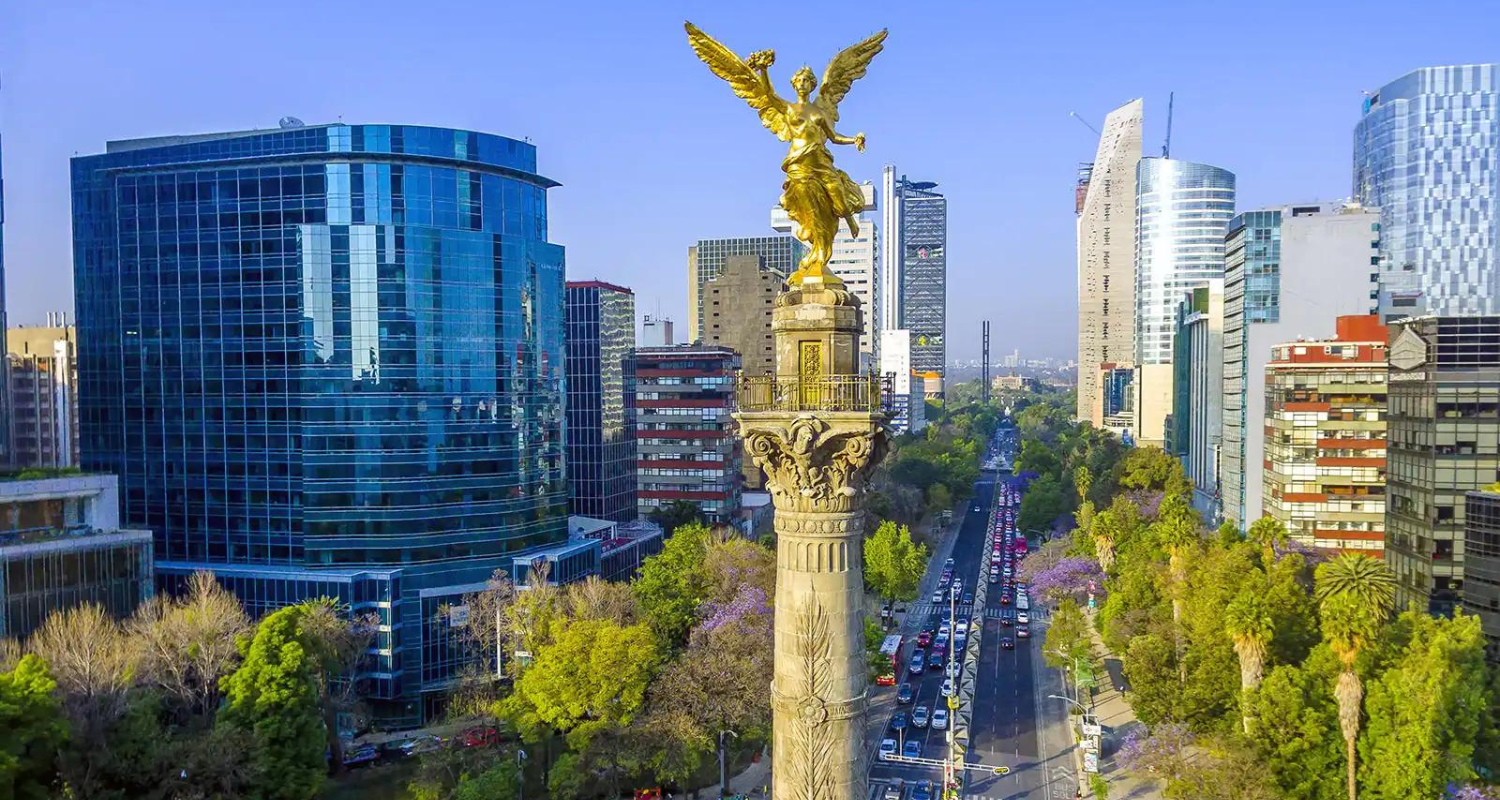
point(1166, 147)
point(1074, 115)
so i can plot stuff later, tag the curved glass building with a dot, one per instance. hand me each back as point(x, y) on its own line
point(1427, 154)
point(328, 360)
point(1182, 210)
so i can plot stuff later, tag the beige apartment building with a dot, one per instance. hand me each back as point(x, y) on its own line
point(1106, 207)
point(1325, 453)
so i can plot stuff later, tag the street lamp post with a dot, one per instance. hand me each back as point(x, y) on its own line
point(723, 769)
point(520, 773)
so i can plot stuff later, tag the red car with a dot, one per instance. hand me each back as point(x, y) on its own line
point(480, 737)
point(924, 638)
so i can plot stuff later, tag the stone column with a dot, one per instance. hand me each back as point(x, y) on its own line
point(817, 430)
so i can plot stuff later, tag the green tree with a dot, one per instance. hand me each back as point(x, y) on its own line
point(1042, 504)
point(1269, 533)
point(894, 564)
point(677, 514)
point(273, 696)
point(671, 585)
point(939, 498)
point(1150, 663)
point(1250, 626)
point(501, 781)
point(1069, 637)
point(1177, 528)
point(1294, 728)
point(1355, 594)
point(594, 671)
point(1153, 469)
point(1426, 710)
point(34, 727)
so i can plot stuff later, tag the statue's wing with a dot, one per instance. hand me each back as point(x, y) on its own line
point(846, 68)
point(742, 79)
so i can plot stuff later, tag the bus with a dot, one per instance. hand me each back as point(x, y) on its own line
point(890, 665)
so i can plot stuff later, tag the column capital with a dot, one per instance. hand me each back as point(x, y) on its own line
point(816, 462)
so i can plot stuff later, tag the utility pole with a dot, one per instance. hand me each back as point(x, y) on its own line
point(723, 771)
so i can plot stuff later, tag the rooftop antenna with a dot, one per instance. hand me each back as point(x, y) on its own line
point(1166, 147)
point(1074, 115)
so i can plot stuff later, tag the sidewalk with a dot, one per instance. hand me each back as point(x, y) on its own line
point(1113, 712)
point(755, 779)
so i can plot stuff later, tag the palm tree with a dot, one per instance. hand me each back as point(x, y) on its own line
point(1368, 579)
point(1268, 532)
point(1250, 626)
point(1177, 525)
point(1355, 594)
point(1103, 531)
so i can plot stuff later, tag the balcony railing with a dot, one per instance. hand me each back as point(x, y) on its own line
point(837, 393)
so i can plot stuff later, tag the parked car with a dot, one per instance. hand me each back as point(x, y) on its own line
point(361, 755)
point(482, 736)
point(420, 745)
point(920, 716)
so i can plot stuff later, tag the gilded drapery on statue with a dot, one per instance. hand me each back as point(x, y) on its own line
point(816, 194)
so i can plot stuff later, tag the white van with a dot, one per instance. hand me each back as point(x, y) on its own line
point(1022, 602)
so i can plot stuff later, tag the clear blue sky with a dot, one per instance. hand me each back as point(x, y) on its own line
point(654, 152)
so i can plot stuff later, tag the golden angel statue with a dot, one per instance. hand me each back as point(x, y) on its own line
point(816, 194)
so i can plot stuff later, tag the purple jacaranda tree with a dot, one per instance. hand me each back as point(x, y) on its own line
point(1456, 792)
point(1162, 752)
point(748, 605)
point(1148, 501)
point(1312, 555)
point(1070, 576)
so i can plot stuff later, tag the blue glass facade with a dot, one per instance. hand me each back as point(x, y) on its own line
point(1427, 154)
point(1182, 209)
point(326, 350)
point(601, 400)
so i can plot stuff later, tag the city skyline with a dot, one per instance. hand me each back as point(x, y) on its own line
point(54, 106)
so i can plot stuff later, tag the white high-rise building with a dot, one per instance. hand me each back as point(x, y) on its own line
point(856, 261)
point(890, 252)
point(1182, 210)
point(907, 394)
point(1105, 202)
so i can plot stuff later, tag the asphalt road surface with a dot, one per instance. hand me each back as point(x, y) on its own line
point(1014, 725)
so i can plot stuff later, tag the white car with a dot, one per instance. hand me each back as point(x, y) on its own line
point(888, 747)
point(940, 719)
point(937, 596)
point(1023, 618)
point(963, 627)
point(947, 688)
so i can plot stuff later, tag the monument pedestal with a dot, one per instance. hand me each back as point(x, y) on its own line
point(817, 429)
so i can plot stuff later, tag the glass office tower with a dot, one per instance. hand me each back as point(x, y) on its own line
point(328, 360)
point(5, 454)
point(1182, 209)
point(924, 275)
point(1427, 154)
point(601, 400)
